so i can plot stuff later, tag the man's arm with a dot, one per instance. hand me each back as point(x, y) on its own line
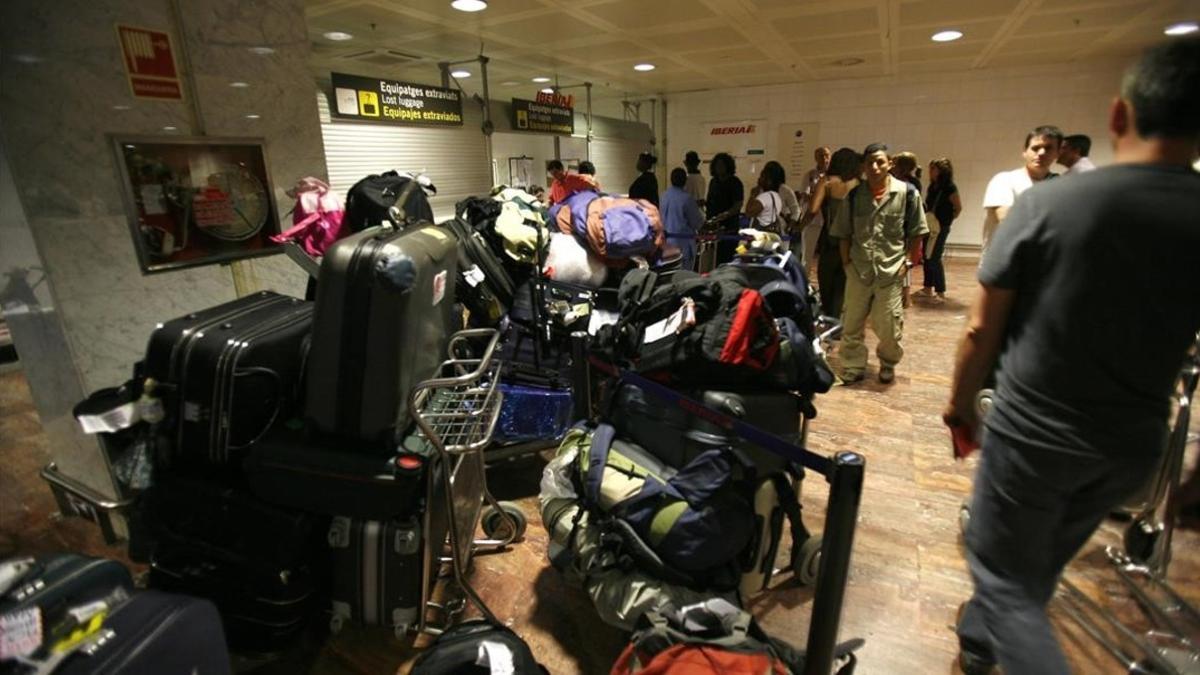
point(977, 353)
point(1001, 212)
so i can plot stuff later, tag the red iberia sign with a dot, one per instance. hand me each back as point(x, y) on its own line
point(556, 99)
point(150, 63)
point(741, 129)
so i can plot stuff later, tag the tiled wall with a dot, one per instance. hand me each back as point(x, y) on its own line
point(978, 118)
point(61, 77)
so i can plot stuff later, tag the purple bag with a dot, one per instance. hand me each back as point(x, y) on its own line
point(627, 232)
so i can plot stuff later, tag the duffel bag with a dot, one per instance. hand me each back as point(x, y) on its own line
point(368, 200)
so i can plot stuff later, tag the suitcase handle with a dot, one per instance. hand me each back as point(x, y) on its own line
point(279, 393)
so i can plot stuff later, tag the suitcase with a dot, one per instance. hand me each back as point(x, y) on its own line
point(228, 373)
point(676, 436)
point(41, 592)
point(384, 311)
point(483, 286)
point(379, 567)
point(155, 633)
point(327, 476)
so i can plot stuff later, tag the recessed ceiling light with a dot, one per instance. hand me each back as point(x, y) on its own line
point(253, 116)
point(338, 36)
point(469, 5)
point(509, 83)
point(262, 51)
point(644, 67)
point(1182, 28)
point(239, 85)
point(170, 128)
point(122, 107)
point(548, 90)
point(540, 80)
point(946, 36)
point(460, 74)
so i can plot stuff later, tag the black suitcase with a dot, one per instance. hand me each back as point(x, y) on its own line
point(385, 309)
point(327, 476)
point(456, 652)
point(484, 287)
point(155, 633)
point(368, 201)
point(227, 373)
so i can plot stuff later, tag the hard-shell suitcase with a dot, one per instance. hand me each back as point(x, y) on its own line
point(385, 308)
point(155, 633)
point(227, 373)
point(483, 286)
point(327, 476)
point(379, 568)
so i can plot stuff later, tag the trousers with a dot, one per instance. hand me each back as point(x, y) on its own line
point(1031, 511)
point(882, 301)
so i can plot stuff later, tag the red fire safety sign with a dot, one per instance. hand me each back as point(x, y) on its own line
point(150, 63)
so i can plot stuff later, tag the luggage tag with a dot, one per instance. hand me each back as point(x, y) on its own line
point(681, 320)
point(474, 276)
point(84, 622)
point(20, 633)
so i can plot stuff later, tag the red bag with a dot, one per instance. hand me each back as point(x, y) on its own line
point(697, 659)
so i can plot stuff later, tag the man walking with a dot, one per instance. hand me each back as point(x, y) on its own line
point(1042, 146)
point(1090, 326)
point(881, 223)
point(1074, 154)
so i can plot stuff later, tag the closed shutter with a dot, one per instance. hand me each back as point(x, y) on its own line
point(616, 162)
point(454, 157)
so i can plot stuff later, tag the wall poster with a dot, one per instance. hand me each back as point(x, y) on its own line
point(520, 172)
point(196, 201)
point(797, 141)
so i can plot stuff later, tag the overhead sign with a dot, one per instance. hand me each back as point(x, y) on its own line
point(737, 137)
point(544, 117)
point(555, 99)
point(149, 63)
point(374, 100)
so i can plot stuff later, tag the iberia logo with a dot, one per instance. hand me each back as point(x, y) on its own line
point(723, 131)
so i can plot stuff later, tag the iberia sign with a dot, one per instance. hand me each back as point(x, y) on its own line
point(741, 129)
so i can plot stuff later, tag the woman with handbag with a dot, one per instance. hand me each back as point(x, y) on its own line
point(942, 206)
point(765, 208)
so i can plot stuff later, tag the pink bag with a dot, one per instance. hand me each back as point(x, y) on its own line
point(316, 217)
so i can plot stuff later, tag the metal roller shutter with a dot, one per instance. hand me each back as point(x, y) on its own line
point(455, 158)
point(616, 162)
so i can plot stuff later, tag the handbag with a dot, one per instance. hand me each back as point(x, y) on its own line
point(935, 226)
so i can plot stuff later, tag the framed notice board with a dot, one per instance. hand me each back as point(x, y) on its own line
point(196, 201)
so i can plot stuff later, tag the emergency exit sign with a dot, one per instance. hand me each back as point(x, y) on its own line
point(149, 63)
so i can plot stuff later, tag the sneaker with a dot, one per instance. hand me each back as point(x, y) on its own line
point(925, 292)
point(970, 664)
point(939, 299)
point(851, 378)
point(887, 374)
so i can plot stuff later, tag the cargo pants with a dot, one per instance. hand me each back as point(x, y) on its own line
point(882, 301)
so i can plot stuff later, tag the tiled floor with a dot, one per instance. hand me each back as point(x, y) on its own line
point(908, 576)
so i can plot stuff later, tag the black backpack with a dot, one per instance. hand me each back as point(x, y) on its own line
point(456, 651)
point(368, 201)
point(484, 287)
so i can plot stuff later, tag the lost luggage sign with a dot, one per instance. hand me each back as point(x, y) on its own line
point(547, 115)
point(374, 100)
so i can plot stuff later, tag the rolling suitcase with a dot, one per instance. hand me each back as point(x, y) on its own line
point(384, 311)
point(228, 372)
point(155, 633)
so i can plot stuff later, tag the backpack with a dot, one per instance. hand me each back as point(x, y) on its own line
point(457, 652)
point(317, 217)
point(483, 286)
point(368, 201)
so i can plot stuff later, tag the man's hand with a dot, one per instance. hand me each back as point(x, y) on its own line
point(955, 416)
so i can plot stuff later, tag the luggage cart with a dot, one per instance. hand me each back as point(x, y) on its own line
point(456, 413)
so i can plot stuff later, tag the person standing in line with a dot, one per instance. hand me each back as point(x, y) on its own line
point(1042, 146)
point(726, 194)
point(558, 187)
point(681, 217)
point(765, 208)
point(1090, 326)
point(696, 185)
point(790, 213)
point(879, 229)
point(645, 186)
point(1074, 154)
point(904, 167)
point(812, 221)
point(942, 200)
point(827, 200)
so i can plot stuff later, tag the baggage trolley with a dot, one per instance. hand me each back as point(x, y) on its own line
point(456, 413)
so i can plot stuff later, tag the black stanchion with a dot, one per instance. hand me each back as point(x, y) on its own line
point(581, 376)
point(845, 492)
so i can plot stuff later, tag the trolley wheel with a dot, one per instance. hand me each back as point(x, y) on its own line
point(336, 623)
point(1141, 540)
point(964, 517)
point(496, 526)
point(808, 561)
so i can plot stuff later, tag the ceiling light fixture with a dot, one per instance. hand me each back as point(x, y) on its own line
point(239, 85)
point(262, 51)
point(644, 67)
point(540, 80)
point(946, 36)
point(338, 36)
point(122, 107)
point(253, 116)
point(469, 5)
point(460, 74)
point(548, 90)
point(1182, 28)
point(170, 128)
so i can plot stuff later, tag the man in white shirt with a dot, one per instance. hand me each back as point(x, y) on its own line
point(1042, 146)
point(696, 186)
point(1074, 154)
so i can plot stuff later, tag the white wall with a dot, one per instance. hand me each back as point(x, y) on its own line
point(978, 118)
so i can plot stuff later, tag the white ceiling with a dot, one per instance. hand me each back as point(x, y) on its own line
point(708, 44)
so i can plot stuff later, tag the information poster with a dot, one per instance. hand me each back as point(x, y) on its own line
point(369, 99)
point(797, 141)
point(549, 117)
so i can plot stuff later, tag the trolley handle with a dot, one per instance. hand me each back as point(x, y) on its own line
point(480, 364)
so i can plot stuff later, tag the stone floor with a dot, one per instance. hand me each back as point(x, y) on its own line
point(907, 579)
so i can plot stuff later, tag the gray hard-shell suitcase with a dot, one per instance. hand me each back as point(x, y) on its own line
point(385, 307)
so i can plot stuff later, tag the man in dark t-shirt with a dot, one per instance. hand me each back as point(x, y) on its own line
point(726, 194)
point(1090, 297)
point(645, 186)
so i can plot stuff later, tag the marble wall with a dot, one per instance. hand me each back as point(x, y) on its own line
point(63, 91)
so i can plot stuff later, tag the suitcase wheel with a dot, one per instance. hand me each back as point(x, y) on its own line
point(498, 523)
point(808, 561)
point(964, 517)
point(1141, 540)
